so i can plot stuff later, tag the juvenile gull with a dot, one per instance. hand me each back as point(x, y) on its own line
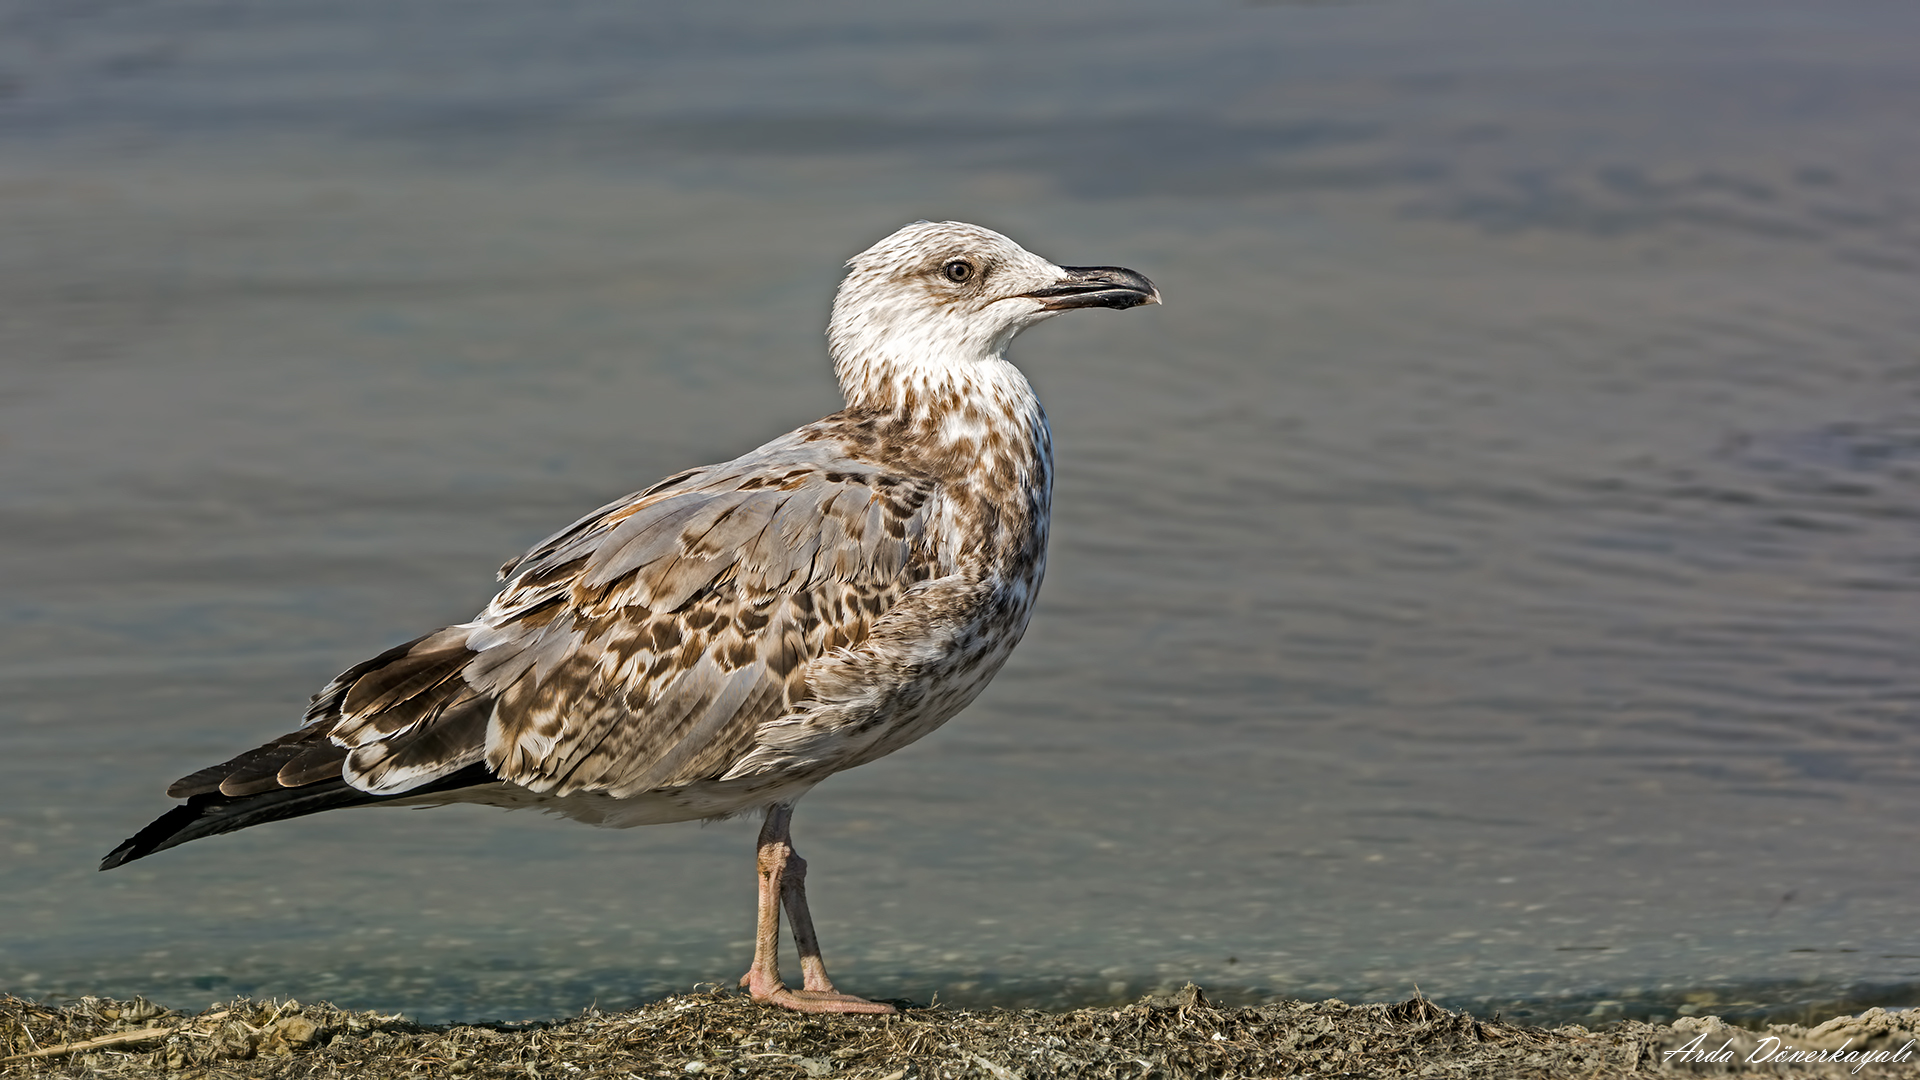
point(731, 636)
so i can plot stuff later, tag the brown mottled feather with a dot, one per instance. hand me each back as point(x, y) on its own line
point(643, 647)
point(693, 610)
point(646, 646)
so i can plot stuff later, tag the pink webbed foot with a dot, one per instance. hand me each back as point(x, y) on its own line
point(823, 1000)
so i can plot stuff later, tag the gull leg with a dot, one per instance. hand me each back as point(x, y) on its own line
point(783, 876)
point(762, 980)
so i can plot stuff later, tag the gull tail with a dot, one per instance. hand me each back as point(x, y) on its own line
point(419, 725)
point(211, 813)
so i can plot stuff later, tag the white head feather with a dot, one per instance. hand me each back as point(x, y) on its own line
point(933, 304)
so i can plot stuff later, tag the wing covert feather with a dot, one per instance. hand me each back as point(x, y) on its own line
point(647, 647)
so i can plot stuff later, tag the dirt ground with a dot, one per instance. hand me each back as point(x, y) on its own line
point(722, 1034)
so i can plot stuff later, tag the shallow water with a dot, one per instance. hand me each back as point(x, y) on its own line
point(1494, 569)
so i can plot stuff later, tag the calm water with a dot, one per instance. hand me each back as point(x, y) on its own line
point(1496, 568)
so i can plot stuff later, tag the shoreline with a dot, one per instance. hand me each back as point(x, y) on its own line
point(723, 1034)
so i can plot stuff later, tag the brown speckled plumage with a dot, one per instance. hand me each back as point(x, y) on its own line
point(732, 635)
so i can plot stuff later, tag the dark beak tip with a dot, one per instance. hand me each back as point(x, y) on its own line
point(1113, 287)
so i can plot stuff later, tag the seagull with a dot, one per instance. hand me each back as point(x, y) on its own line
point(722, 641)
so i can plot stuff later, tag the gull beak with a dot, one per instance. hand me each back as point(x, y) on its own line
point(1096, 286)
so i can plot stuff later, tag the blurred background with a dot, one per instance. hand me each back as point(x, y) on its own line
point(1496, 569)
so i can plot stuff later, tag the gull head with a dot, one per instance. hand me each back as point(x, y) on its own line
point(939, 299)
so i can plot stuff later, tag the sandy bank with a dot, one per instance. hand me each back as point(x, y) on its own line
point(724, 1035)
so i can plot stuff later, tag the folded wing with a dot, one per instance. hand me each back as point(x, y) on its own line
point(642, 647)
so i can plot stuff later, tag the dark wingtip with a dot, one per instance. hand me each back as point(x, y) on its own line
point(154, 837)
point(211, 813)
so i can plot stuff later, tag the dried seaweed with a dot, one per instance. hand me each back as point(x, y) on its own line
point(722, 1034)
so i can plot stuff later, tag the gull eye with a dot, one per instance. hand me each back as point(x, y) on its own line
point(958, 271)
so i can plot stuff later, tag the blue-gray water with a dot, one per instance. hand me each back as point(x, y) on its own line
point(1496, 569)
